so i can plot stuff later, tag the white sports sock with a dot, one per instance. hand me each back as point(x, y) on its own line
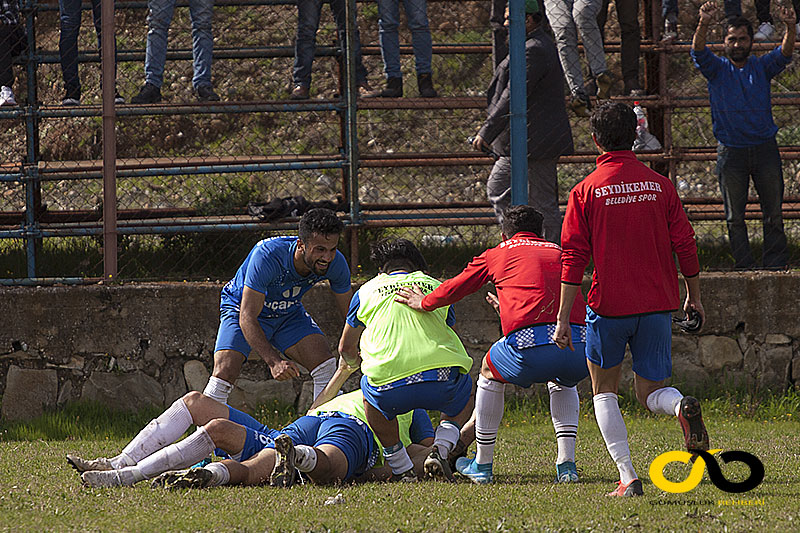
point(322, 374)
point(305, 458)
point(397, 458)
point(446, 436)
point(489, 405)
point(160, 432)
point(665, 401)
point(182, 454)
point(612, 427)
point(220, 474)
point(218, 389)
point(565, 412)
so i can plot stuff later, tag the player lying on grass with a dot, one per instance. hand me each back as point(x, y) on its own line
point(525, 270)
point(333, 444)
point(409, 360)
point(630, 222)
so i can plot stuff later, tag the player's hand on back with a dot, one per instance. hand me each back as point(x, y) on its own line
point(494, 301)
point(411, 296)
point(563, 336)
point(283, 370)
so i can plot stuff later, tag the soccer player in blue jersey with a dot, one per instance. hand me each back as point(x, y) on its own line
point(260, 308)
point(333, 443)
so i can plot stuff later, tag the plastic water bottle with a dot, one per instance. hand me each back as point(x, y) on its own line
point(644, 139)
point(641, 118)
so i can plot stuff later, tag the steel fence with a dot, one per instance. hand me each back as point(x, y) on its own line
point(188, 166)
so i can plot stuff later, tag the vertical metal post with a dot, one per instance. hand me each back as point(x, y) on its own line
point(33, 193)
point(108, 60)
point(351, 146)
point(518, 119)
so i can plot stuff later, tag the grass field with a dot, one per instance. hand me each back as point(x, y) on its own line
point(38, 491)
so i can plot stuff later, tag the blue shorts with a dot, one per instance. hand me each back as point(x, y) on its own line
point(449, 395)
point(258, 435)
point(538, 364)
point(282, 332)
point(649, 336)
point(346, 433)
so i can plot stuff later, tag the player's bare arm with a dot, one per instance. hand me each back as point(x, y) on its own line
point(787, 16)
point(693, 297)
point(494, 301)
point(707, 13)
point(343, 302)
point(343, 371)
point(348, 345)
point(563, 335)
point(251, 306)
point(411, 296)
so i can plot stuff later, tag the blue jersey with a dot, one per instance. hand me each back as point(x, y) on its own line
point(269, 269)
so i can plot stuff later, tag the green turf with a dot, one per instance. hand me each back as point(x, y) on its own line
point(39, 492)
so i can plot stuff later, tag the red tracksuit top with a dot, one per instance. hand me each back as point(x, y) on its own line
point(525, 270)
point(629, 220)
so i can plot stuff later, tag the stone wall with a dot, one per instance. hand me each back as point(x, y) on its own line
point(146, 344)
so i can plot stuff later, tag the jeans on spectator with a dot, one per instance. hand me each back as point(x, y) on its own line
point(417, 14)
point(7, 34)
point(567, 18)
point(308, 14)
point(542, 192)
point(159, 19)
point(733, 8)
point(628, 16)
point(70, 15)
point(735, 167)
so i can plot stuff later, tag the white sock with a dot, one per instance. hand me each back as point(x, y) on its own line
point(182, 454)
point(220, 474)
point(612, 427)
point(322, 374)
point(160, 432)
point(398, 458)
point(665, 401)
point(489, 405)
point(564, 411)
point(446, 436)
point(305, 458)
point(218, 389)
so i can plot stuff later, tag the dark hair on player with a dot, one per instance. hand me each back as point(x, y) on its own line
point(397, 254)
point(614, 126)
point(521, 218)
point(319, 221)
point(740, 22)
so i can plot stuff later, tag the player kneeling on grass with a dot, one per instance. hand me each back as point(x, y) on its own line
point(410, 360)
point(629, 220)
point(525, 270)
point(333, 444)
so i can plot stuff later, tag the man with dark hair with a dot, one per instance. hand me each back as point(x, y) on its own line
point(549, 133)
point(741, 113)
point(329, 445)
point(409, 360)
point(629, 220)
point(525, 271)
point(260, 308)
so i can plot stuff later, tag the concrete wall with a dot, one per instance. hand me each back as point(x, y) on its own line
point(147, 344)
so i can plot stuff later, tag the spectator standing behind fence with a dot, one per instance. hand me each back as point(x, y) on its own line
point(417, 14)
point(741, 113)
point(567, 18)
point(549, 133)
point(631, 37)
point(308, 14)
point(9, 19)
point(733, 8)
point(159, 18)
point(70, 16)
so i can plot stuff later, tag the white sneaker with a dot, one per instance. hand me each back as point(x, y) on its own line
point(7, 96)
point(109, 478)
point(765, 32)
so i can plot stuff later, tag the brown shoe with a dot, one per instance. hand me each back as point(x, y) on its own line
point(365, 90)
point(300, 92)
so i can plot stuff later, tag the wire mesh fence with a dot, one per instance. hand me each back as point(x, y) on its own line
point(189, 164)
